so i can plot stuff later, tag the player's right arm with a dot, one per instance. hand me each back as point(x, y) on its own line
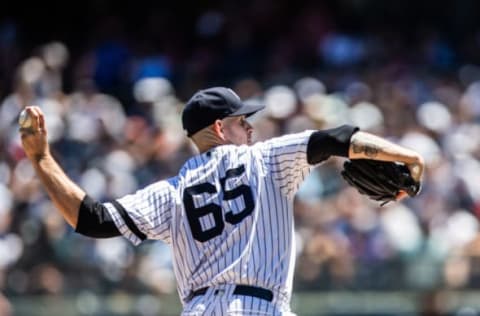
point(63, 192)
point(88, 217)
point(144, 214)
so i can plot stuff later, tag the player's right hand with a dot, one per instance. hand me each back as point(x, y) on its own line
point(34, 139)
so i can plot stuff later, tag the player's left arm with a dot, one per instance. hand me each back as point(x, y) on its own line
point(347, 141)
point(364, 145)
point(290, 158)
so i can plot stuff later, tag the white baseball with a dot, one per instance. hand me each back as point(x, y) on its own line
point(25, 120)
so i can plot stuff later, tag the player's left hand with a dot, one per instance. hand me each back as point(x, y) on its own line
point(381, 180)
point(416, 169)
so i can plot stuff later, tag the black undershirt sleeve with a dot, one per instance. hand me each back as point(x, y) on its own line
point(94, 220)
point(330, 142)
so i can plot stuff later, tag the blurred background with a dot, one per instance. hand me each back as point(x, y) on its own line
point(112, 78)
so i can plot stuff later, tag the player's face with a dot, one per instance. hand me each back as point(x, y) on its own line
point(237, 130)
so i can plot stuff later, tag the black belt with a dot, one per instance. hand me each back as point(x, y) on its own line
point(247, 290)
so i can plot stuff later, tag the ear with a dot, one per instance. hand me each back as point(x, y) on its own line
point(218, 129)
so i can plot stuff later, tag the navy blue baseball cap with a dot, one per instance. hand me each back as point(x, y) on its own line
point(207, 106)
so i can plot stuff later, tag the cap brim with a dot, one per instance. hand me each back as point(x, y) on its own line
point(248, 109)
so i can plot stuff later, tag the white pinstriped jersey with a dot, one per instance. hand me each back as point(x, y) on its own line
point(228, 215)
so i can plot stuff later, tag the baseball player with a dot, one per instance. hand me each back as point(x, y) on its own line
point(228, 213)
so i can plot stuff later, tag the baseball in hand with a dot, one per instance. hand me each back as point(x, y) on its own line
point(25, 120)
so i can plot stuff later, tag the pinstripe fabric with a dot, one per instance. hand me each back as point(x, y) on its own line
point(228, 215)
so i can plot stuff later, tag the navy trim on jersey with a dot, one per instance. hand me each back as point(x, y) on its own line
point(94, 220)
point(128, 221)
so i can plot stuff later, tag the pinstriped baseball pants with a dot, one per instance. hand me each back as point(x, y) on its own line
point(220, 301)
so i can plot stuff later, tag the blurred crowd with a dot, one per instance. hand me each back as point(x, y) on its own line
point(116, 128)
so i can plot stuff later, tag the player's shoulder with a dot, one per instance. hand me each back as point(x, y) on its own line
point(215, 156)
point(282, 141)
point(200, 161)
point(228, 150)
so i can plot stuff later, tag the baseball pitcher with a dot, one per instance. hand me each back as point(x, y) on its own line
point(228, 213)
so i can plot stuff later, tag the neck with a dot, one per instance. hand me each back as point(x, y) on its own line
point(203, 149)
point(206, 140)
